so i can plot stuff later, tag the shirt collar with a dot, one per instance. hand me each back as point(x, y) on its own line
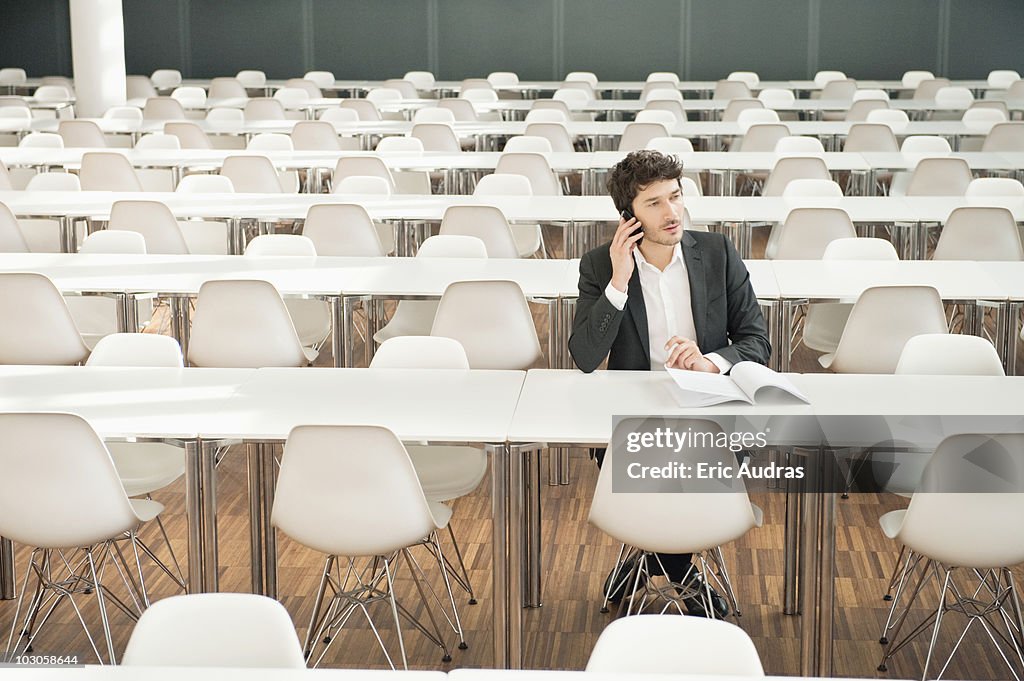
point(641, 261)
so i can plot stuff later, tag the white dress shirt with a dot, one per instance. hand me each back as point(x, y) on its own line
point(669, 312)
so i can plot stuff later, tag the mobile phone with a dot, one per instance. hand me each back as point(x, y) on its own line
point(627, 215)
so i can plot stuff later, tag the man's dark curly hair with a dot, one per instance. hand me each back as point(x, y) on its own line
point(637, 171)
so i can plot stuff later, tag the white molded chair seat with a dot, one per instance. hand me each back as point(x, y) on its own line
point(949, 354)
point(529, 238)
point(985, 233)
point(38, 327)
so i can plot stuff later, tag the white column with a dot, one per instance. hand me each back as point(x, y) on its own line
point(97, 50)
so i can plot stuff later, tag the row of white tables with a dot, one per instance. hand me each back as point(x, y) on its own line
point(512, 414)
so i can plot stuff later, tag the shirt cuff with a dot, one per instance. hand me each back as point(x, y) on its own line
point(616, 297)
point(722, 363)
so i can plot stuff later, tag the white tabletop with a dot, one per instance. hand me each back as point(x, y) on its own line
point(1010, 276)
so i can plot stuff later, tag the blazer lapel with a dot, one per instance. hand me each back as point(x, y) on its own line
point(638, 311)
point(696, 273)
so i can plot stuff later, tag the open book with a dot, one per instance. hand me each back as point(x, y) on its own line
point(747, 382)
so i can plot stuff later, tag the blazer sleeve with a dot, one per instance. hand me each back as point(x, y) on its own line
point(747, 330)
point(596, 322)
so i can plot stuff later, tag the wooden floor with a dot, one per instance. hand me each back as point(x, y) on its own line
point(576, 559)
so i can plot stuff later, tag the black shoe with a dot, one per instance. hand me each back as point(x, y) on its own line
point(623, 579)
point(695, 605)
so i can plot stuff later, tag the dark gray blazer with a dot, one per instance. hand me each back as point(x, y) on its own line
point(726, 314)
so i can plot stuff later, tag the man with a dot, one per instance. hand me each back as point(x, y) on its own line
point(659, 296)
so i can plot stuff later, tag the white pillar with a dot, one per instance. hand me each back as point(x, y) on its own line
point(97, 49)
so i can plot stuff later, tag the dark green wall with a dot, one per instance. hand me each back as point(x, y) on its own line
point(539, 39)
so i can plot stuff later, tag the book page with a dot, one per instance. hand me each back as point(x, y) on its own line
point(753, 378)
point(700, 389)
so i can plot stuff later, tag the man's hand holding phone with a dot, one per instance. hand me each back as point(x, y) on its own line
point(627, 236)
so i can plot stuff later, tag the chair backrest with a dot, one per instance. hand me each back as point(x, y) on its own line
point(963, 512)
point(423, 80)
point(372, 166)
point(638, 135)
point(669, 644)
point(1016, 90)
point(949, 354)
point(81, 133)
point(894, 118)
point(1002, 78)
point(364, 108)
point(243, 323)
point(994, 186)
point(329, 481)
point(487, 223)
point(281, 244)
point(52, 93)
point(546, 116)
point(881, 322)
point(251, 78)
point(12, 76)
point(226, 88)
point(670, 145)
point(502, 78)
point(314, 136)
point(59, 488)
point(666, 118)
point(412, 145)
point(994, 104)
point(12, 240)
point(925, 144)
point(927, 88)
point(749, 77)
point(190, 96)
point(362, 184)
point(165, 79)
point(158, 140)
point(503, 185)
point(420, 352)
point(526, 144)
point(732, 110)
point(871, 137)
point(772, 97)
point(806, 232)
point(812, 187)
point(37, 328)
point(136, 350)
point(202, 183)
point(252, 174)
point(763, 136)
point(799, 144)
point(139, 87)
point(42, 140)
point(979, 233)
point(108, 171)
point(940, 177)
point(435, 114)
point(12, 111)
point(571, 97)
point(823, 78)
point(790, 168)
point(154, 221)
point(321, 79)
point(340, 114)
point(292, 97)
point(555, 133)
point(307, 86)
point(54, 182)
point(452, 246)
point(841, 89)
point(690, 188)
point(114, 241)
point(379, 95)
point(731, 89)
point(270, 141)
point(492, 321)
point(215, 630)
point(752, 115)
point(221, 113)
point(662, 76)
point(124, 113)
point(1005, 137)
point(911, 79)
point(955, 97)
point(870, 94)
point(264, 109)
point(462, 109)
point(660, 92)
point(860, 248)
point(5, 177)
point(189, 134)
point(983, 117)
point(535, 167)
point(163, 109)
point(342, 229)
point(860, 108)
point(644, 518)
point(437, 137)
point(582, 77)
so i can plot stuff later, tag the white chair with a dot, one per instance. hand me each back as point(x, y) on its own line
point(668, 644)
point(252, 174)
point(960, 519)
point(881, 322)
point(874, 137)
point(437, 137)
point(205, 237)
point(215, 630)
point(534, 167)
point(926, 89)
point(954, 97)
point(250, 78)
point(647, 518)
point(108, 172)
point(269, 141)
point(666, 118)
point(1005, 137)
point(659, 92)
point(434, 114)
point(806, 233)
point(226, 88)
point(38, 328)
point(749, 77)
point(362, 184)
point(870, 94)
point(662, 76)
point(911, 79)
point(555, 133)
point(322, 498)
point(670, 145)
point(163, 109)
point(861, 107)
point(812, 187)
point(292, 100)
point(527, 144)
point(499, 79)
point(670, 105)
point(339, 114)
point(894, 118)
point(492, 321)
point(322, 79)
point(264, 109)
point(529, 239)
point(124, 113)
point(139, 87)
point(310, 317)
point(754, 115)
point(415, 317)
point(5, 177)
point(638, 135)
point(423, 80)
point(994, 186)
point(189, 134)
point(372, 166)
point(983, 118)
point(776, 97)
point(54, 182)
point(342, 229)
point(939, 177)
point(1002, 78)
point(381, 95)
point(158, 140)
point(365, 109)
point(588, 77)
point(546, 116)
point(413, 145)
point(731, 89)
point(114, 241)
point(823, 78)
point(979, 233)
point(949, 354)
point(13, 76)
point(191, 97)
point(201, 183)
point(487, 223)
point(61, 495)
point(81, 133)
point(799, 144)
point(244, 324)
point(461, 108)
point(12, 240)
point(315, 136)
point(572, 97)
point(154, 221)
point(762, 136)
point(789, 168)
point(165, 79)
